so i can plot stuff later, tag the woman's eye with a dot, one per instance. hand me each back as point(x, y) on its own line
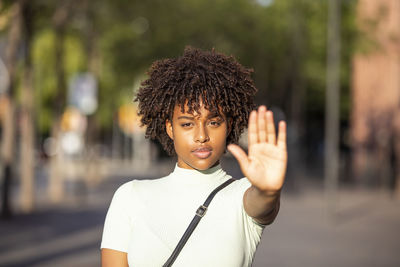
point(215, 123)
point(188, 124)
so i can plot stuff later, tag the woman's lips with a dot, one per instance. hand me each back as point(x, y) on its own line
point(202, 153)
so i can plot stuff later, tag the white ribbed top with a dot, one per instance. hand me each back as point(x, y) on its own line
point(195, 177)
point(147, 218)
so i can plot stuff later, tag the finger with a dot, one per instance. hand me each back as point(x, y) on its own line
point(271, 128)
point(262, 126)
point(253, 139)
point(282, 135)
point(240, 156)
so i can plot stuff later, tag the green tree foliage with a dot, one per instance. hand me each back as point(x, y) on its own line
point(278, 41)
point(285, 43)
point(45, 76)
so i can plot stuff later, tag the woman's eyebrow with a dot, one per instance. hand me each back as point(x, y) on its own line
point(209, 116)
point(185, 117)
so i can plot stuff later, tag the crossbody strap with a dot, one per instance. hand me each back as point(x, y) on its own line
point(200, 212)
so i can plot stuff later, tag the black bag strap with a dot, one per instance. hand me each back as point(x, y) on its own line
point(200, 212)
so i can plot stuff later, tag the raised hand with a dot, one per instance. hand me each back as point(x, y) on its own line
point(265, 165)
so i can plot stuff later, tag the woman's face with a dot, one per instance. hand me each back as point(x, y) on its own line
point(199, 138)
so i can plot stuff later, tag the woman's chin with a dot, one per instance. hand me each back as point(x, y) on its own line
point(200, 165)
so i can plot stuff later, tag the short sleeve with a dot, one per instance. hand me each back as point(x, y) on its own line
point(117, 227)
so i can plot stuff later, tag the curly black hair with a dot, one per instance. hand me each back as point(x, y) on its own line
point(216, 80)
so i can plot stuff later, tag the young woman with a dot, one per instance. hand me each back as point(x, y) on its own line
point(197, 105)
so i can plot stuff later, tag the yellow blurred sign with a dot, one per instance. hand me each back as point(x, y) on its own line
point(128, 120)
point(73, 120)
point(4, 104)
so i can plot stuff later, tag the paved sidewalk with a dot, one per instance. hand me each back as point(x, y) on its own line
point(365, 231)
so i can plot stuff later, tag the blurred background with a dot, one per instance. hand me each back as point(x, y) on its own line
point(70, 133)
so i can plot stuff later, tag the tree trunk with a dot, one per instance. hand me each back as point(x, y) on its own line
point(296, 95)
point(8, 123)
point(92, 49)
point(56, 180)
point(331, 163)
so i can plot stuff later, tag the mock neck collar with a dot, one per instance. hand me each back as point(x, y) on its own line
point(189, 176)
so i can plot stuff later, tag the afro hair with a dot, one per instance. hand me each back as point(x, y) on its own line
point(208, 77)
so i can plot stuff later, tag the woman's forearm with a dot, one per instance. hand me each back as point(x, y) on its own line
point(262, 206)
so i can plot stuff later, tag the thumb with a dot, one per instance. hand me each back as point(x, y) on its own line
point(240, 156)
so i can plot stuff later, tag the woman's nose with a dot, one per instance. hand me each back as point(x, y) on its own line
point(201, 134)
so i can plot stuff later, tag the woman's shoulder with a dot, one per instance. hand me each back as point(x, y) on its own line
point(138, 184)
point(124, 191)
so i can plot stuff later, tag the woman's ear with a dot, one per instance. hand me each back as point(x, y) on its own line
point(168, 127)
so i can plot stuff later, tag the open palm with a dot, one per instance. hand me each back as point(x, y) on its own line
point(265, 165)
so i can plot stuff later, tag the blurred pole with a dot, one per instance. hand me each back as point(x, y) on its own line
point(331, 163)
point(27, 113)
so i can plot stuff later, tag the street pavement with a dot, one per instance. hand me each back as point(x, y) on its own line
point(363, 230)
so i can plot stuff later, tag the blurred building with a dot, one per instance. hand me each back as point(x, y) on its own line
point(376, 95)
